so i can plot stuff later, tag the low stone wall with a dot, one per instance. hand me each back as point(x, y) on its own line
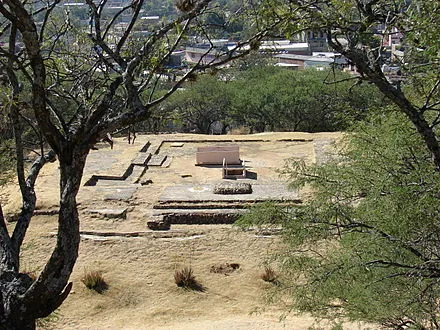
point(215, 155)
point(199, 218)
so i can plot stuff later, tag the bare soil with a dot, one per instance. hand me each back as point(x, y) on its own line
point(138, 264)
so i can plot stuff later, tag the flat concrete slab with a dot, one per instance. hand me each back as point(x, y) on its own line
point(136, 174)
point(120, 194)
point(141, 159)
point(156, 160)
point(204, 192)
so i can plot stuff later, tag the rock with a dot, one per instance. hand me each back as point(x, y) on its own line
point(12, 217)
point(158, 225)
point(231, 188)
point(225, 269)
point(146, 182)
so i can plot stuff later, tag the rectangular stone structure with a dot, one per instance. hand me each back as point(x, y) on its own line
point(156, 160)
point(214, 155)
point(141, 159)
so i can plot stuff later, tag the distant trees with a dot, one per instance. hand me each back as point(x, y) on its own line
point(202, 103)
point(267, 98)
point(277, 99)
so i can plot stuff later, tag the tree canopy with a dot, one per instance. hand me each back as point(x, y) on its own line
point(365, 245)
point(267, 98)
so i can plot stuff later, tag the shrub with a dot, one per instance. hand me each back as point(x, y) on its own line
point(185, 278)
point(94, 281)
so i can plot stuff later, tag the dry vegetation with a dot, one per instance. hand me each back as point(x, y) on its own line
point(140, 271)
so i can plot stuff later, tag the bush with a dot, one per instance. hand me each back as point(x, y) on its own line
point(185, 278)
point(94, 281)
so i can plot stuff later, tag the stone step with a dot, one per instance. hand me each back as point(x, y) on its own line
point(110, 213)
point(154, 147)
point(167, 162)
point(198, 211)
point(137, 173)
point(206, 206)
point(146, 147)
point(209, 204)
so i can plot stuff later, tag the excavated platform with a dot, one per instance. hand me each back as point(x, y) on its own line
point(203, 193)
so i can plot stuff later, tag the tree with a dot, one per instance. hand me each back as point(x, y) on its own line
point(267, 97)
point(369, 236)
point(365, 245)
point(356, 29)
point(84, 81)
point(202, 103)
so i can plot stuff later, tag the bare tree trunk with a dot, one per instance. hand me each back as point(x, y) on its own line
point(51, 288)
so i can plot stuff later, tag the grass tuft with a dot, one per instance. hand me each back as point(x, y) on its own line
point(185, 278)
point(94, 281)
point(269, 275)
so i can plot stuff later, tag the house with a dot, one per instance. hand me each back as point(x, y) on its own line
point(316, 60)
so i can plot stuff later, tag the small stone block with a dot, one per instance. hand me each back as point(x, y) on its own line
point(158, 225)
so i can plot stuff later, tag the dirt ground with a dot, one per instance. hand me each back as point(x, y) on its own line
point(139, 270)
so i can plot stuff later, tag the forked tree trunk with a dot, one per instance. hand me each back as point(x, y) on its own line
point(21, 301)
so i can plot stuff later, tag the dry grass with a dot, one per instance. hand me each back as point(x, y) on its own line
point(94, 280)
point(140, 269)
point(269, 275)
point(184, 278)
point(242, 130)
